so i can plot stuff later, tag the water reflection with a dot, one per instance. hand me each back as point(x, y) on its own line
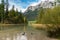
point(9, 36)
point(10, 32)
point(15, 33)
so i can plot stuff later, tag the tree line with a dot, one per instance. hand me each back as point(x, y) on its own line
point(12, 16)
point(50, 16)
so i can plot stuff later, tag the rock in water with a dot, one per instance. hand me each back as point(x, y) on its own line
point(23, 37)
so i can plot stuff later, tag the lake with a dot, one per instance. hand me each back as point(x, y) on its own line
point(14, 32)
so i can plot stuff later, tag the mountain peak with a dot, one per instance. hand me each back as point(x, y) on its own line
point(43, 4)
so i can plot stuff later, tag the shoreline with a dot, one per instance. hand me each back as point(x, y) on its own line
point(11, 24)
point(43, 26)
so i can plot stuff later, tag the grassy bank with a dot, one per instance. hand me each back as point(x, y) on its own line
point(53, 30)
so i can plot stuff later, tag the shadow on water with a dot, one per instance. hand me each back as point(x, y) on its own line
point(10, 32)
point(14, 32)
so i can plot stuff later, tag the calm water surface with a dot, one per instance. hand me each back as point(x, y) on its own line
point(14, 32)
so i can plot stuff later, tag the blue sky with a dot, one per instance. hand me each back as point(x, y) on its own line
point(22, 4)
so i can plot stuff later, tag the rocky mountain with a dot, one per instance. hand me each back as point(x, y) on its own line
point(32, 11)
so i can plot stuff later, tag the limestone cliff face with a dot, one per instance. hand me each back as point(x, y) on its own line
point(32, 11)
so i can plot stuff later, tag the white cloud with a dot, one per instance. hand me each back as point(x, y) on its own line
point(19, 7)
point(31, 4)
point(34, 3)
point(0, 1)
point(47, 0)
point(23, 10)
point(16, 7)
point(52, 0)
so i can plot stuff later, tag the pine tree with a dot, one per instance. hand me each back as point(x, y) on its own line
point(7, 7)
point(2, 11)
